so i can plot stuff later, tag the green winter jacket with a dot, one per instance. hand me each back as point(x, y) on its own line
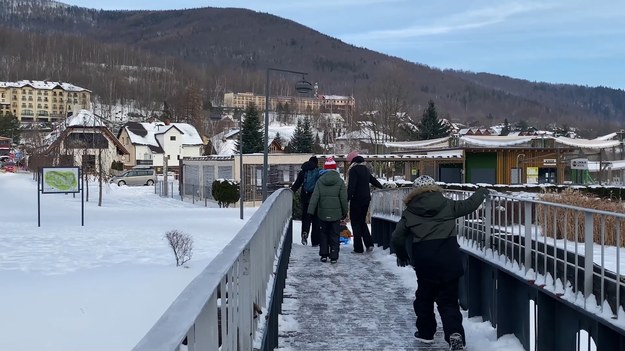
point(429, 215)
point(329, 200)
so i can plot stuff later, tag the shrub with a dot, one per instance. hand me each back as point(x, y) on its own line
point(181, 244)
point(117, 165)
point(225, 192)
point(568, 222)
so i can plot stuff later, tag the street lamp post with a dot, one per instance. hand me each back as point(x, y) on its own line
point(301, 87)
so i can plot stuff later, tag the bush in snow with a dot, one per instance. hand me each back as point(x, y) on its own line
point(225, 192)
point(181, 244)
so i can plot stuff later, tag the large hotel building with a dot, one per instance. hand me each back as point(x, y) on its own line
point(42, 101)
point(320, 103)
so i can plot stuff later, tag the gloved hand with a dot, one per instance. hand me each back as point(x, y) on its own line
point(403, 261)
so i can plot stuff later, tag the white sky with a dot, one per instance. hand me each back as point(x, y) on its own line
point(65, 287)
point(556, 41)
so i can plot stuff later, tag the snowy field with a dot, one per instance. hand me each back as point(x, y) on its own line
point(64, 287)
point(100, 287)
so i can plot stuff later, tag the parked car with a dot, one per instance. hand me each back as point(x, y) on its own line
point(135, 177)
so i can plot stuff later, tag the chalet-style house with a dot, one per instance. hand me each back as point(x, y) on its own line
point(84, 140)
point(150, 143)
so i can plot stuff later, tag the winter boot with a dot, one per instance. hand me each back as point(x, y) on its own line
point(304, 238)
point(455, 342)
point(423, 339)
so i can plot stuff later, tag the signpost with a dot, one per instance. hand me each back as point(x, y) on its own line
point(60, 180)
point(579, 163)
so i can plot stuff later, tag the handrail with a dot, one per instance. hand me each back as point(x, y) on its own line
point(512, 228)
point(217, 309)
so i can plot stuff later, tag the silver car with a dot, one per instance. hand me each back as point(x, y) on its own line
point(135, 177)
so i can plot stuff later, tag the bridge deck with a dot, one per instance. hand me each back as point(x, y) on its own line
point(356, 304)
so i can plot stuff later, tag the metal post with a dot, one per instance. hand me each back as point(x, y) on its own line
point(241, 192)
point(305, 87)
point(266, 137)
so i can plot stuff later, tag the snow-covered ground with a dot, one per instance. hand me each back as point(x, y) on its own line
point(65, 287)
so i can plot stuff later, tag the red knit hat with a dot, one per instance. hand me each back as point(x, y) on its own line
point(329, 164)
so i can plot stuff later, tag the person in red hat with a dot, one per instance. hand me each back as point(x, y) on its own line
point(329, 203)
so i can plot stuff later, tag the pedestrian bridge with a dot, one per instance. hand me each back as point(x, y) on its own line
point(538, 287)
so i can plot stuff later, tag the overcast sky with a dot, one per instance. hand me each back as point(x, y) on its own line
point(556, 41)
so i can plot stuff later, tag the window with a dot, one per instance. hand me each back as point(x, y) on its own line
point(172, 138)
point(88, 163)
point(86, 140)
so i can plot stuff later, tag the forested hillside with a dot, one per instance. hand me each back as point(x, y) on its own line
point(156, 56)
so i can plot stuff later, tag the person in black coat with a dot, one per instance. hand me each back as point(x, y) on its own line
point(307, 220)
point(425, 237)
point(359, 195)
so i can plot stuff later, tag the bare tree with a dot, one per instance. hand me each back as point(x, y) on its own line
point(181, 244)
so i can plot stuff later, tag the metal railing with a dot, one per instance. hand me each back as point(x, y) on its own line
point(217, 310)
point(559, 251)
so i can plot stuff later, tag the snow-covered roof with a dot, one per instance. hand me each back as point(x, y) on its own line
point(43, 85)
point(84, 118)
point(495, 141)
point(334, 97)
point(145, 133)
point(606, 137)
point(365, 134)
point(227, 148)
point(416, 144)
point(587, 144)
point(445, 154)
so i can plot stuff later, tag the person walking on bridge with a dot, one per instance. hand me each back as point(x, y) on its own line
point(329, 202)
point(425, 237)
point(306, 179)
point(359, 195)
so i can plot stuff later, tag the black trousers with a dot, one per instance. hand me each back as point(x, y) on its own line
point(307, 220)
point(329, 243)
point(358, 217)
point(445, 294)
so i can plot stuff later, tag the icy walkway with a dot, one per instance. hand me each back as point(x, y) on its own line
point(356, 304)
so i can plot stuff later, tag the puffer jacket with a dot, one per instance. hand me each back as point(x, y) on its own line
point(358, 179)
point(329, 200)
point(426, 232)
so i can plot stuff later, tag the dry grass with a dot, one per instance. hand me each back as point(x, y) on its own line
point(570, 223)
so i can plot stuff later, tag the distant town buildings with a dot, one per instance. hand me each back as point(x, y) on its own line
point(42, 101)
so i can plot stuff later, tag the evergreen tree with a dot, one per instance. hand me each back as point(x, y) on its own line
point(278, 140)
point(10, 127)
point(251, 131)
point(317, 145)
point(430, 126)
point(506, 128)
point(302, 140)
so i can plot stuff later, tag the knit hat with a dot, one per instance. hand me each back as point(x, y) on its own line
point(351, 156)
point(329, 164)
point(423, 181)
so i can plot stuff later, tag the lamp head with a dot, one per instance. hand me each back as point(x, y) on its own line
point(303, 86)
